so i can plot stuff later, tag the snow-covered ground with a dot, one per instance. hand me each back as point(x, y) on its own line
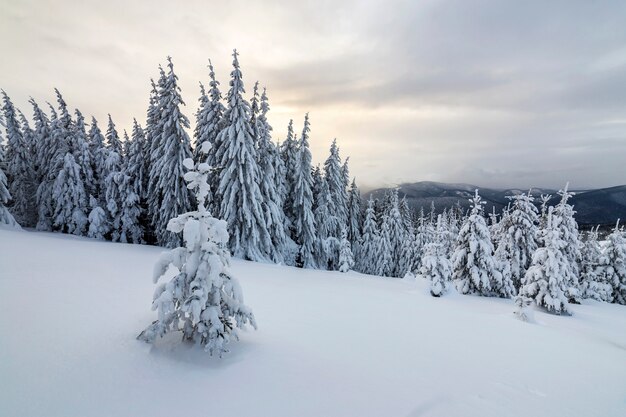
point(328, 344)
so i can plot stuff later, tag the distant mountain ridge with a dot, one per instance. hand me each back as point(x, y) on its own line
point(602, 206)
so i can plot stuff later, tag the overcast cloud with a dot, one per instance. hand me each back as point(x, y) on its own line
point(493, 93)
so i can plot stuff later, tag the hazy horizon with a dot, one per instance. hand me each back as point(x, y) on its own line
point(519, 95)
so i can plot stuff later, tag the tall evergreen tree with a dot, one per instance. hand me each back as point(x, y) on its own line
point(384, 260)
point(333, 172)
point(354, 214)
point(326, 223)
point(82, 154)
point(239, 183)
point(19, 167)
point(169, 148)
point(131, 229)
point(289, 154)
point(44, 151)
point(69, 195)
point(271, 200)
point(6, 218)
point(304, 229)
point(397, 233)
point(436, 267)
point(113, 141)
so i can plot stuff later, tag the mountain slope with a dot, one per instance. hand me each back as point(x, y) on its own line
point(602, 206)
point(328, 344)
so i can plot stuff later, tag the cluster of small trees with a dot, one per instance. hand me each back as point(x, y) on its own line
point(534, 256)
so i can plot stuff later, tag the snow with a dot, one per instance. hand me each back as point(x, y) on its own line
point(328, 344)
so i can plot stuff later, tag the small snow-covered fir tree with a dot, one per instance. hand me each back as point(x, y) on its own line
point(368, 252)
point(593, 270)
point(436, 267)
point(474, 268)
point(395, 226)
point(545, 280)
point(69, 194)
point(326, 222)
point(334, 176)
point(239, 183)
point(615, 264)
point(131, 230)
point(204, 296)
point(98, 225)
point(346, 259)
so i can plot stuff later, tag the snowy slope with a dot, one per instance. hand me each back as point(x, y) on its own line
point(328, 344)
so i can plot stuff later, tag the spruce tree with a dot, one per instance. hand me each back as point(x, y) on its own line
point(395, 226)
point(304, 228)
point(518, 236)
point(333, 173)
point(19, 167)
point(368, 252)
point(346, 259)
point(170, 146)
point(545, 279)
point(239, 183)
point(326, 223)
point(271, 200)
point(474, 268)
point(43, 152)
point(98, 223)
point(289, 155)
point(131, 229)
point(69, 196)
point(81, 150)
point(354, 214)
point(6, 218)
point(615, 264)
point(113, 142)
point(565, 223)
point(436, 267)
point(204, 296)
point(384, 258)
point(593, 282)
point(99, 153)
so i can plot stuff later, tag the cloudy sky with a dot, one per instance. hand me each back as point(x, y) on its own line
point(493, 93)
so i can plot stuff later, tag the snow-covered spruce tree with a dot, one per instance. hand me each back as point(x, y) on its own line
point(346, 259)
point(69, 196)
point(564, 222)
point(99, 154)
point(239, 183)
point(354, 214)
point(113, 142)
point(545, 280)
point(19, 166)
point(113, 193)
point(271, 202)
point(131, 229)
point(43, 152)
point(209, 122)
point(170, 146)
point(289, 155)
point(593, 282)
point(254, 112)
point(411, 253)
point(6, 218)
point(333, 173)
point(82, 154)
point(543, 217)
point(474, 268)
point(615, 264)
point(436, 267)
point(327, 247)
point(395, 227)
point(204, 296)
point(304, 228)
point(519, 236)
point(150, 146)
point(30, 172)
point(98, 223)
point(384, 258)
point(368, 248)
